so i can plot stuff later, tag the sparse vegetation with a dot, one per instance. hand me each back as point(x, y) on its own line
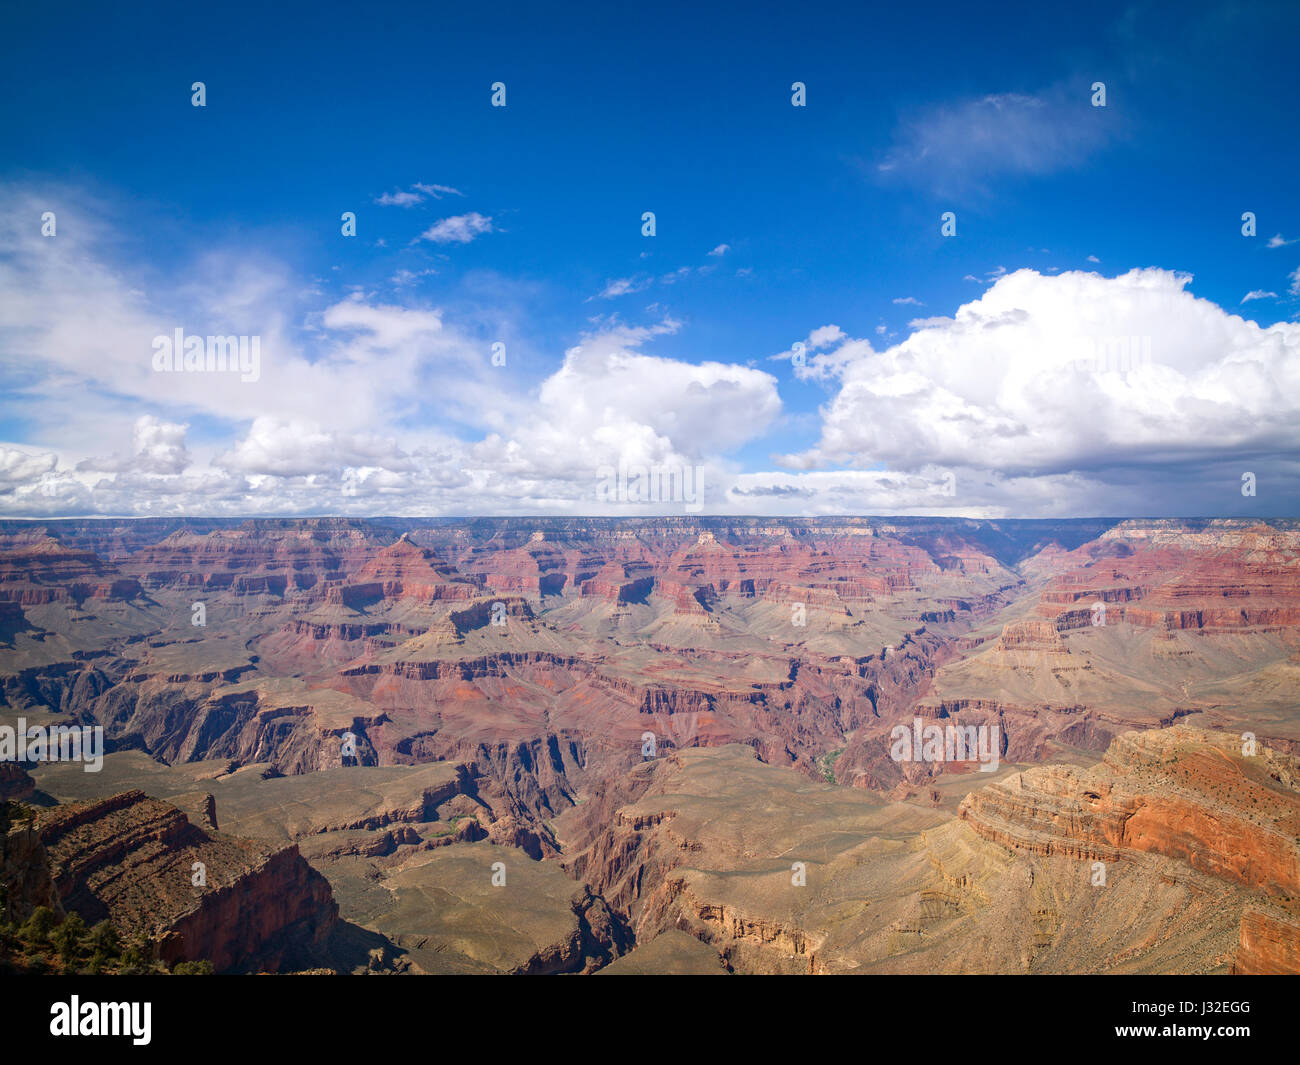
point(826, 763)
point(44, 944)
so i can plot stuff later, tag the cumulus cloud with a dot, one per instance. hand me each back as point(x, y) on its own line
point(289, 448)
point(824, 336)
point(362, 405)
point(609, 399)
point(1066, 374)
point(369, 406)
point(157, 447)
point(458, 229)
point(20, 469)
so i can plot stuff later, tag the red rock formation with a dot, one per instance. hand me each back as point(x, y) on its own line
point(1179, 792)
point(1269, 943)
point(405, 569)
point(45, 571)
point(264, 555)
point(131, 859)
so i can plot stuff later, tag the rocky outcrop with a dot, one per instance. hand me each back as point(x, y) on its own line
point(1269, 943)
point(45, 571)
point(25, 872)
point(1180, 792)
point(16, 783)
point(1031, 636)
point(142, 864)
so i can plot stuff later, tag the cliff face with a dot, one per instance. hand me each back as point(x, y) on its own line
point(1269, 944)
point(1167, 576)
point(45, 571)
point(280, 910)
point(1199, 845)
point(260, 556)
point(1181, 793)
point(25, 874)
point(132, 859)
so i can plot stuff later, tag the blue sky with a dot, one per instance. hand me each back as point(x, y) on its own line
point(522, 224)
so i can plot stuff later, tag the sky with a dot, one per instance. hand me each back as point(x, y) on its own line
point(948, 282)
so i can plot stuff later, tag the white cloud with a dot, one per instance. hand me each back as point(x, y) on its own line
point(1258, 294)
point(458, 229)
point(1093, 259)
point(404, 277)
point(1278, 241)
point(908, 300)
point(622, 286)
point(352, 411)
point(968, 142)
point(387, 326)
point(366, 406)
point(20, 468)
point(417, 193)
point(824, 336)
point(608, 398)
point(721, 250)
point(437, 192)
point(158, 447)
point(296, 448)
point(1009, 382)
point(399, 199)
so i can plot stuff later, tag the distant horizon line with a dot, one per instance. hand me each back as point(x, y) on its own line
point(640, 517)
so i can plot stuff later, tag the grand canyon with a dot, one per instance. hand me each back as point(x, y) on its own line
point(660, 744)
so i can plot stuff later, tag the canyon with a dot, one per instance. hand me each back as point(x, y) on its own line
point(587, 745)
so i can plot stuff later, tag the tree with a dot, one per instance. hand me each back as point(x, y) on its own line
point(67, 938)
point(104, 941)
point(36, 930)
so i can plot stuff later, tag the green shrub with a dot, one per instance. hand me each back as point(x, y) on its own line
point(67, 938)
point(36, 930)
point(104, 940)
